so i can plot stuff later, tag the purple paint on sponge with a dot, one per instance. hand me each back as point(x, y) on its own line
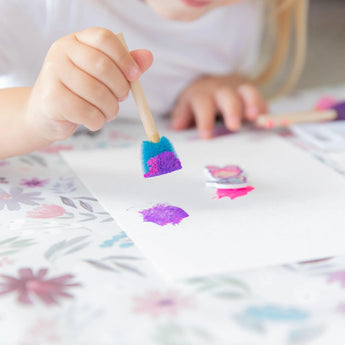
point(163, 214)
point(163, 163)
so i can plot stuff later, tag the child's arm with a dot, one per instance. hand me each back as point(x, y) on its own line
point(231, 96)
point(84, 77)
point(17, 134)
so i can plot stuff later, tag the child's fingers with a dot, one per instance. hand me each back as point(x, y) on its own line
point(254, 103)
point(143, 58)
point(88, 88)
point(74, 109)
point(182, 116)
point(98, 65)
point(107, 42)
point(230, 105)
point(204, 110)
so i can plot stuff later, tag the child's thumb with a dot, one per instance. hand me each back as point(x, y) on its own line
point(143, 58)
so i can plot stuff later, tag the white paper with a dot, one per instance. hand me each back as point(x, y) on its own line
point(296, 211)
point(325, 136)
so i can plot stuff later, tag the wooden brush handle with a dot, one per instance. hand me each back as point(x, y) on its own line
point(281, 120)
point(142, 106)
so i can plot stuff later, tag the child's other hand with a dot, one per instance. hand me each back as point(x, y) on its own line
point(84, 77)
point(232, 97)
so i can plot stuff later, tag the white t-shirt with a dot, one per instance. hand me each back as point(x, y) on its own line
point(224, 40)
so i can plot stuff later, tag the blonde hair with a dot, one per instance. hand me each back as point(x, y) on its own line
point(288, 18)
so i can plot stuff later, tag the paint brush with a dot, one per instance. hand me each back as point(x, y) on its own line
point(158, 154)
point(334, 113)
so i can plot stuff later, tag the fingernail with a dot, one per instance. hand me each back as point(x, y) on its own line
point(234, 124)
point(122, 98)
point(206, 134)
point(177, 123)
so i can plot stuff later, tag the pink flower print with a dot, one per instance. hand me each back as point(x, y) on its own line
point(46, 211)
point(15, 197)
point(156, 303)
point(337, 276)
point(28, 284)
point(43, 331)
point(56, 148)
point(34, 182)
point(5, 261)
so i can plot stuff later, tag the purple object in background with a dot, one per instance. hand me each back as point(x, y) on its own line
point(340, 110)
point(163, 163)
point(163, 214)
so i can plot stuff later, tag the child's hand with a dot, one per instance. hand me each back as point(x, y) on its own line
point(234, 98)
point(84, 77)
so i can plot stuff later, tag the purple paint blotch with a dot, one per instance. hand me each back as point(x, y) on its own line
point(162, 214)
point(163, 163)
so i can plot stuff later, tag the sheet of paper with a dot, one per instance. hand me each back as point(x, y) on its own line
point(328, 136)
point(296, 211)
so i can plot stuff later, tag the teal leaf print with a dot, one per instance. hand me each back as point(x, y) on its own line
point(13, 245)
point(220, 286)
point(117, 263)
point(276, 313)
point(121, 239)
point(66, 247)
point(175, 334)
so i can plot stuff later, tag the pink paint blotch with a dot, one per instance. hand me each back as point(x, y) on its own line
point(162, 214)
point(232, 193)
point(325, 103)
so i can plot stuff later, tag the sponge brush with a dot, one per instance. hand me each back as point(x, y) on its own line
point(159, 158)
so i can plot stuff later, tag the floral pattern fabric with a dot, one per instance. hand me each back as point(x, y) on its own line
point(70, 275)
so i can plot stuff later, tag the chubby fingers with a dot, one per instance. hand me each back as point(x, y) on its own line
point(98, 65)
point(106, 42)
point(252, 100)
point(84, 85)
point(107, 60)
point(235, 105)
point(230, 106)
point(204, 109)
point(182, 115)
point(94, 67)
point(62, 121)
point(200, 109)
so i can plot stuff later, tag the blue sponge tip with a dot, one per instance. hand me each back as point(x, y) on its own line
point(150, 150)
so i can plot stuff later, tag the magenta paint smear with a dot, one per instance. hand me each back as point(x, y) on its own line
point(163, 214)
point(163, 163)
point(232, 193)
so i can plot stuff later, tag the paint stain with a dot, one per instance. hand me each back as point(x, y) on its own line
point(163, 214)
point(232, 193)
point(163, 163)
